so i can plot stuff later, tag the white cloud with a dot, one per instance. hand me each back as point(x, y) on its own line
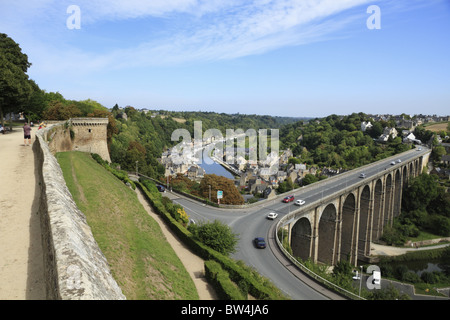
point(205, 29)
point(251, 28)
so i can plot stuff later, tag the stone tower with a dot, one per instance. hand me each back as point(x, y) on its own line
point(80, 134)
point(90, 136)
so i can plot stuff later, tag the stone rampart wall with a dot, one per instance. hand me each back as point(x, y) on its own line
point(75, 267)
point(80, 134)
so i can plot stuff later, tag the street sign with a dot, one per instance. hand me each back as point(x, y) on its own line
point(219, 194)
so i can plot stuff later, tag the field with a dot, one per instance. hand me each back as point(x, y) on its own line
point(141, 260)
point(437, 127)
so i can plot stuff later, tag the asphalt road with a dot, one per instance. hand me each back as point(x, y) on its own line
point(252, 222)
point(248, 224)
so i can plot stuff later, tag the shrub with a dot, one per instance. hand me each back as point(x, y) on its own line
point(215, 235)
point(428, 277)
point(411, 277)
point(439, 225)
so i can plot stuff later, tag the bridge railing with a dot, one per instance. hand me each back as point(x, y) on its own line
point(287, 219)
point(312, 274)
point(328, 197)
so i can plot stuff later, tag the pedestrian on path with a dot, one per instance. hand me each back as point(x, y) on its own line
point(26, 134)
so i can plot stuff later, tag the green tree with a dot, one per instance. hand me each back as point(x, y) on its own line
point(421, 191)
point(215, 183)
point(56, 110)
point(215, 235)
point(438, 152)
point(15, 87)
point(309, 178)
point(36, 103)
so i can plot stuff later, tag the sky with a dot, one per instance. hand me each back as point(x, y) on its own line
point(297, 58)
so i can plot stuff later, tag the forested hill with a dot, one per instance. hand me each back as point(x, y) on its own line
point(223, 121)
point(143, 136)
point(338, 141)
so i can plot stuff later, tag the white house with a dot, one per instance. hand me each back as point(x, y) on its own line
point(365, 126)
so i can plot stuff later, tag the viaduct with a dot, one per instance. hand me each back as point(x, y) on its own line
point(342, 224)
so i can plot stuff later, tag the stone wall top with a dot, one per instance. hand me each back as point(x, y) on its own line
point(76, 268)
point(92, 121)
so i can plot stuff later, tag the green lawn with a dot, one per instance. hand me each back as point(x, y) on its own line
point(143, 263)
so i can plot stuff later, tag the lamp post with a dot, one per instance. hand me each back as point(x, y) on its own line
point(209, 193)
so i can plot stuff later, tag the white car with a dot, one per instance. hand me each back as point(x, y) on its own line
point(399, 160)
point(392, 163)
point(300, 202)
point(272, 215)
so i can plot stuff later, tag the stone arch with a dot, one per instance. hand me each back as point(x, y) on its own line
point(420, 164)
point(387, 200)
point(397, 193)
point(301, 235)
point(377, 221)
point(405, 178)
point(348, 225)
point(364, 222)
point(327, 235)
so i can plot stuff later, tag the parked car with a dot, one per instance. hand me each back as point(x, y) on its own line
point(259, 242)
point(362, 175)
point(300, 202)
point(272, 215)
point(288, 199)
point(161, 188)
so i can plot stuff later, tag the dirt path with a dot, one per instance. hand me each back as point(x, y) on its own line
point(193, 264)
point(21, 262)
point(380, 250)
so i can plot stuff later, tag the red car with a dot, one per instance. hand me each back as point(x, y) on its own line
point(288, 199)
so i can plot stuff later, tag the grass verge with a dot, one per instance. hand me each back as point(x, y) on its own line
point(143, 263)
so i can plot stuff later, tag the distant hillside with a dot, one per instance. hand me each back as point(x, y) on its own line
point(338, 141)
point(140, 137)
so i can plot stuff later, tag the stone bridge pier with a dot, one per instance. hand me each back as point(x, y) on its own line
point(342, 226)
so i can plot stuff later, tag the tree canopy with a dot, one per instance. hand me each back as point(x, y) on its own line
point(216, 235)
point(231, 194)
point(15, 87)
point(338, 142)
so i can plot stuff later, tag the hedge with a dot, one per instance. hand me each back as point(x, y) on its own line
point(258, 287)
point(220, 279)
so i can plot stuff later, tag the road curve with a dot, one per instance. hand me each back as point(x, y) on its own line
point(251, 222)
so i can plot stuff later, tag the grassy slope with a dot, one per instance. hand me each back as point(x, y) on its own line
point(142, 261)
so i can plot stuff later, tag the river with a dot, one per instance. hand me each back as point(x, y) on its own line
point(212, 167)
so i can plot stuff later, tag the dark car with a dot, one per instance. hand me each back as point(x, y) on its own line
point(288, 199)
point(260, 242)
point(161, 188)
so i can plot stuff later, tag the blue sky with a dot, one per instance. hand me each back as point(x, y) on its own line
point(286, 58)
